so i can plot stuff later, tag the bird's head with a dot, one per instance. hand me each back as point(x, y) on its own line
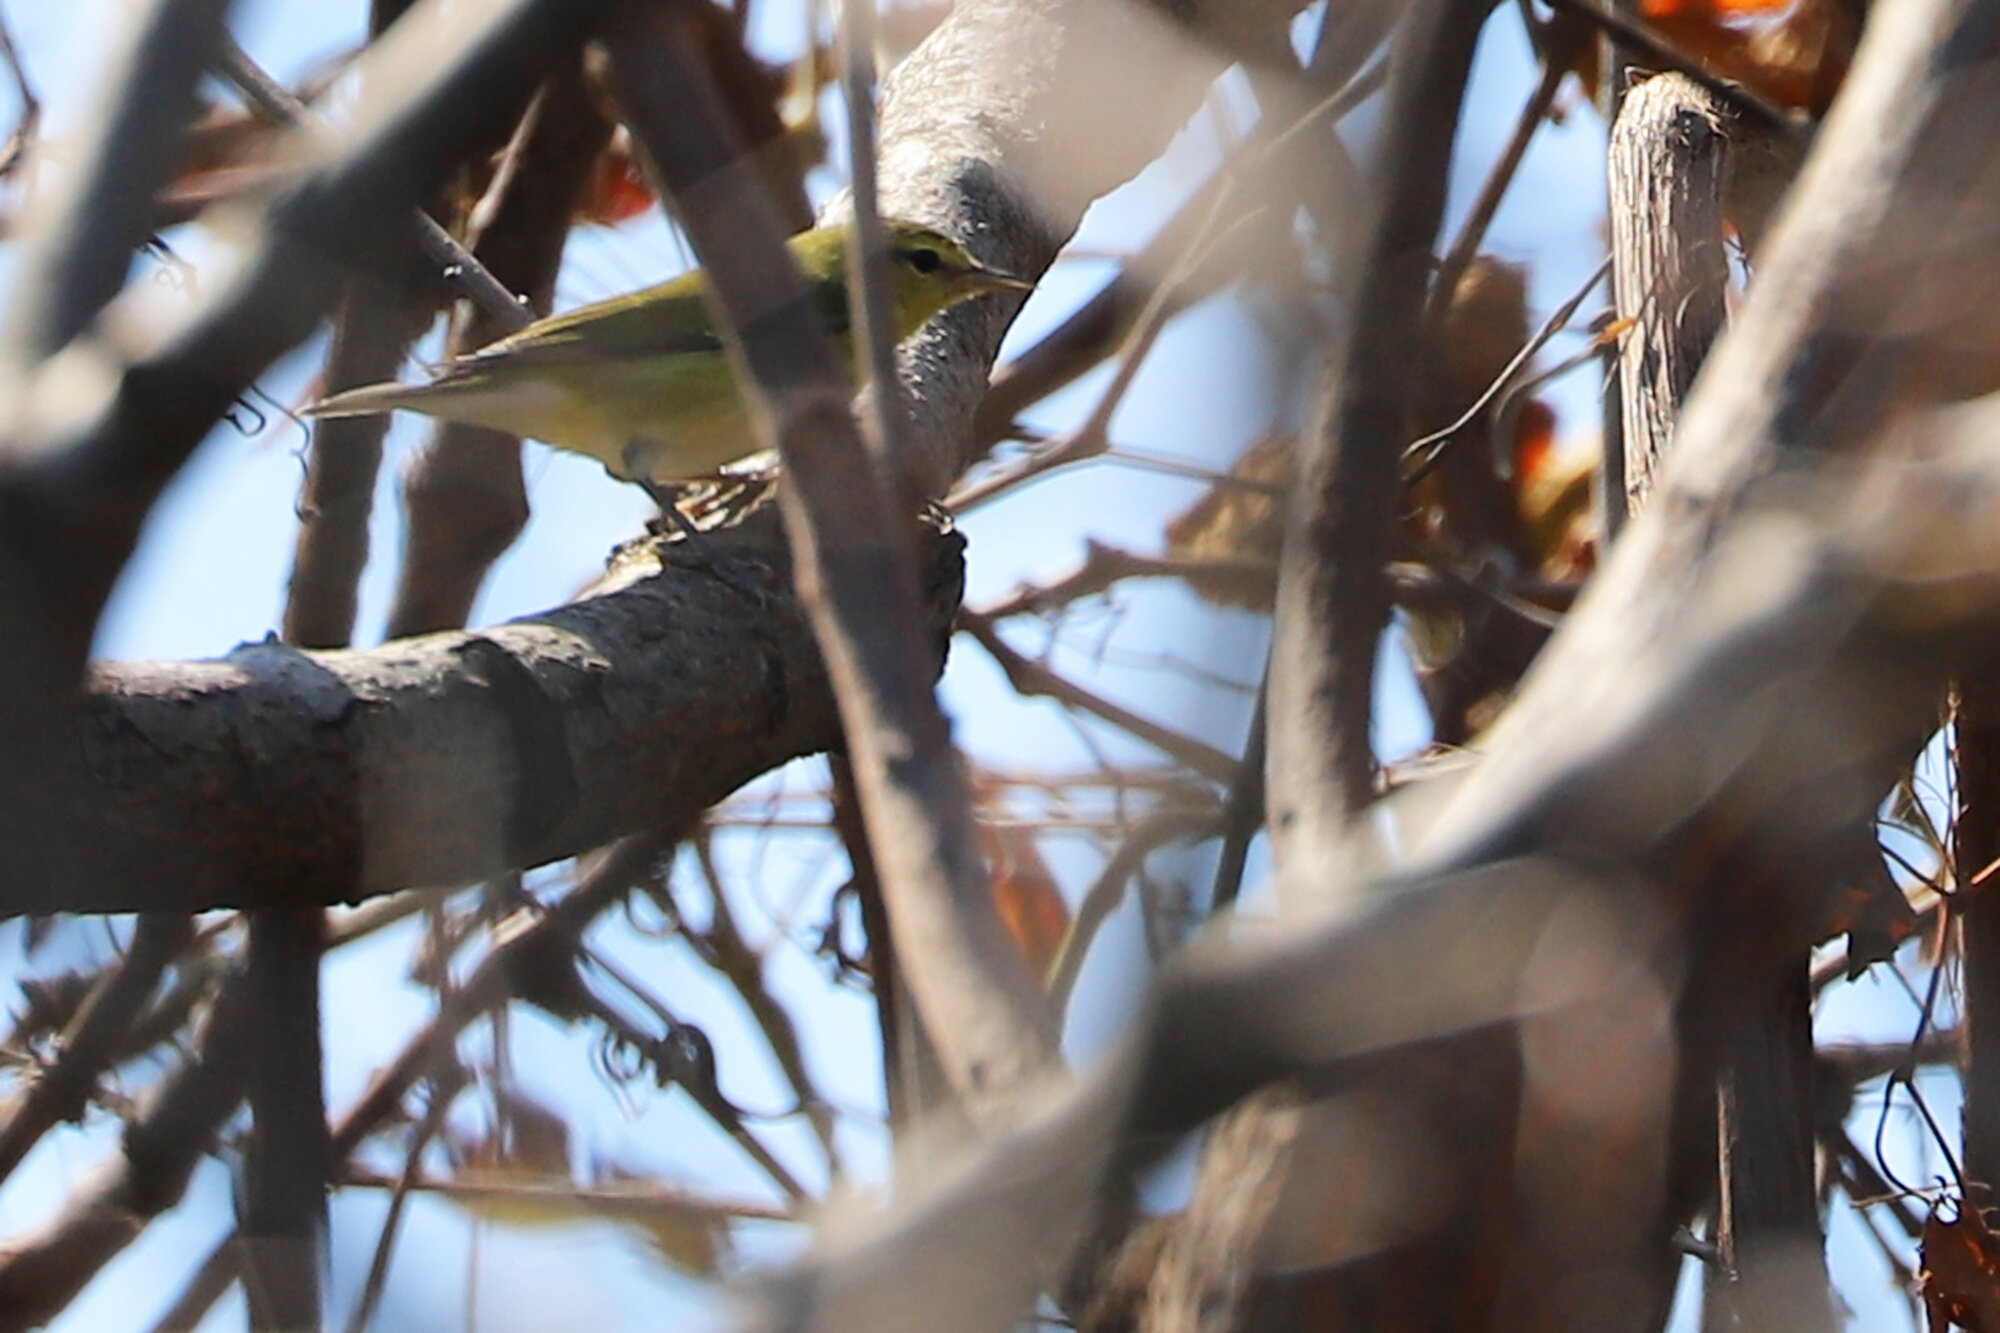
point(929, 272)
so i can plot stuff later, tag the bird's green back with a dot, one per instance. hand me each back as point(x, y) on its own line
point(670, 318)
point(639, 381)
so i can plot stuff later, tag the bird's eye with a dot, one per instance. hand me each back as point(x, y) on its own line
point(924, 260)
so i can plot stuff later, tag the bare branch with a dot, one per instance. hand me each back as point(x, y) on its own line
point(42, 1272)
point(94, 1040)
point(446, 759)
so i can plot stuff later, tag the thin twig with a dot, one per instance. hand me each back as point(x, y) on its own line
point(1108, 890)
point(95, 1038)
point(638, 1199)
point(442, 1092)
point(1421, 455)
point(1243, 810)
point(606, 881)
point(723, 948)
point(701, 1088)
point(1090, 439)
point(1029, 677)
point(1104, 567)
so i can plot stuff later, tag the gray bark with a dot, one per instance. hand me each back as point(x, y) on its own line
point(276, 776)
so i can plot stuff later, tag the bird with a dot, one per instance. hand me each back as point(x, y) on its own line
point(640, 382)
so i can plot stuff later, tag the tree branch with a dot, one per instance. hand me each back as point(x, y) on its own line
point(444, 759)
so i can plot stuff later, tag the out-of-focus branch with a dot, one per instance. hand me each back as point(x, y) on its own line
point(855, 579)
point(81, 240)
point(30, 116)
point(1653, 758)
point(73, 262)
point(446, 759)
point(914, 1084)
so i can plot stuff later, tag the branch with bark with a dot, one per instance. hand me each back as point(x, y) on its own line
point(444, 759)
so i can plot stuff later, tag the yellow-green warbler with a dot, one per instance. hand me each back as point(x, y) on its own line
point(639, 382)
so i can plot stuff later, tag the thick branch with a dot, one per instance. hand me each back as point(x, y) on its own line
point(443, 759)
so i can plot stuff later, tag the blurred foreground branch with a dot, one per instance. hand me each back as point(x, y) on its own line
point(1642, 850)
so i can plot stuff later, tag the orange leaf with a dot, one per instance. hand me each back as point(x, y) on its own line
point(1792, 52)
point(616, 191)
point(1031, 905)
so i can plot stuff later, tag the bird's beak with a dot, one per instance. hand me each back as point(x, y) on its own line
point(992, 280)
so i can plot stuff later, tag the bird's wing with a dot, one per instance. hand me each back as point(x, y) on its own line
point(668, 319)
